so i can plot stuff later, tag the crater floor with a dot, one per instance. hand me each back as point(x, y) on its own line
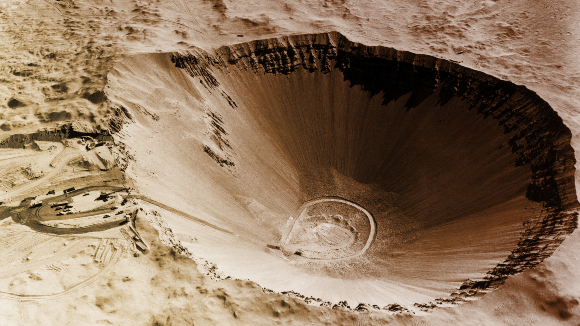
point(329, 229)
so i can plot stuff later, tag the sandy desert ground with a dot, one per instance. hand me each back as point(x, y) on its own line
point(211, 162)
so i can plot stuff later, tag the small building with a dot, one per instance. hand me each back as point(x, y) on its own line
point(141, 246)
point(64, 203)
point(35, 204)
point(103, 196)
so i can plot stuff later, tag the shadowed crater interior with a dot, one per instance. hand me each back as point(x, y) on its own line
point(468, 178)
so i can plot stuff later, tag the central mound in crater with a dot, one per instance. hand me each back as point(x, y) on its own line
point(450, 179)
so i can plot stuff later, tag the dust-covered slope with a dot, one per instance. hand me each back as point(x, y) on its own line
point(466, 176)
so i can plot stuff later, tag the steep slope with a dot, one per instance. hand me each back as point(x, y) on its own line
point(468, 178)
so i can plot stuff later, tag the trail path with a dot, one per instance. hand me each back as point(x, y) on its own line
point(110, 266)
point(178, 212)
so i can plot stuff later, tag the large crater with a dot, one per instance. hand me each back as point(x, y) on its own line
point(468, 178)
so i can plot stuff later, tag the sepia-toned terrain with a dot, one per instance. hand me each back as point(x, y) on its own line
point(289, 163)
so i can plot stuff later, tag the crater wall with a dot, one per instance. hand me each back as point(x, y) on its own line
point(470, 179)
